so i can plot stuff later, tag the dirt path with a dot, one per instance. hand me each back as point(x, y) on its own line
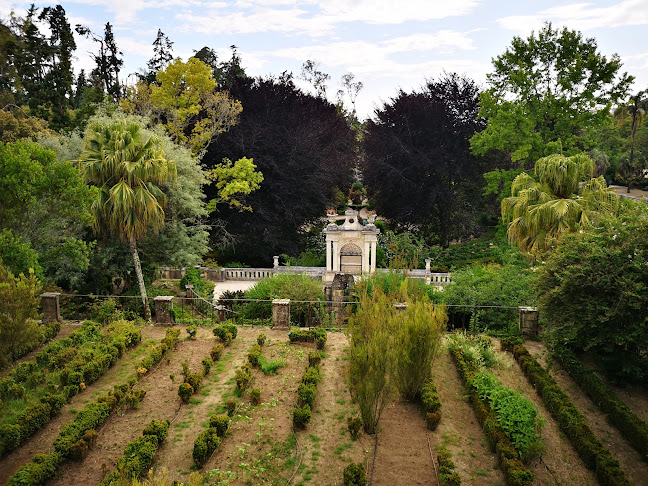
point(65, 331)
point(403, 455)
point(161, 402)
point(459, 431)
point(259, 444)
point(41, 441)
point(560, 462)
point(630, 460)
point(326, 446)
point(194, 416)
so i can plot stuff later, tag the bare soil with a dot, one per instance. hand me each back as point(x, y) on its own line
point(326, 446)
point(459, 431)
point(560, 463)
point(628, 457)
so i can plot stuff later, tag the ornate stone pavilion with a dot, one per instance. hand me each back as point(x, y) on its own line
point(351, 245)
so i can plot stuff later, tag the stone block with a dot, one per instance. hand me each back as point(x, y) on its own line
point(163, 306)
point(281, 314)
point(51, 306)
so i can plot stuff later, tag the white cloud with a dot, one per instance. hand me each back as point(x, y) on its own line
point(582, 16)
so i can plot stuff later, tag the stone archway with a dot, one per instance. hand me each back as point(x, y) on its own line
point(351, 259)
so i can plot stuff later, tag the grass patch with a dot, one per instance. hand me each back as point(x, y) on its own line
point(270, 367)
point(340, 449)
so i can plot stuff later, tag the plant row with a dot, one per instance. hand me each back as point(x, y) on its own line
point(307, 391)
point(76, 438)
point(447, 474)
point(90, 364)
point(139, 454)
point(209, 439)
point(315, 335)
point(47, 332)
point(619, 414)
point(515, 472)
point(572, 423)
point(192, 382)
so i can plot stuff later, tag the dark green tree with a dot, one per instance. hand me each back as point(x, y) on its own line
point(632, 112)
point(162, 56)
point(545, 92)
point(108, 61)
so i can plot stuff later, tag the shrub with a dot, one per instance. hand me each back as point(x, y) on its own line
point(195, 380)
point(306, 394)
point(354, 424)
point(191, 331)
point(89, 418)
point(221, 331)
point(243, 376)
point(228, 338)
point(185, 390)
point(204, 445)
point(158, 428)
point(430, 397)
point(255, 396)
point(270, 367)
point(311, 376)
point(354, 475)
point(261, 339)
point(301, 416)
point(447, 474)
point(207, 364)
point(432, 419)
point(220, 423)
point(314, 359)
point(315, 335)
point(254, 354)
point(38, 471)
point(216, 352)
point(230, 405)
point(9, 438)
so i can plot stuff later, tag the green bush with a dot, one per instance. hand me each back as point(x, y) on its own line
point(243, 376)
point(261, 339)
point(204, 445)
point(254, 354)
point(354, 475)
point(430, 397)
point(255, 396)
point(447, 474)
point(317, 336)
point(216, 352)
point(432, 419)
point(230, 405)
point(37, 472)
point(631, 426)
point(221, 331)
point(270, 367)
point(191, 331)
point(207, 364)
point(195, 380)
point(354, 424)
point(9, 438)
point(185, 390)
point(158, 428)
point(306, 395)
point(571, 422)
point(220, 423)
point(301, 416)
point(311, 376)
point(314, 359)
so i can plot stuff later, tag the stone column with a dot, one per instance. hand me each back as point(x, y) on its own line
point(336, 256)
point(51, 306)
point(528, 320)
point(374, 257)
point(366, 265)
point(163, 306)
point(281, 314)
point(276, 262)
point(329, 256)
point(427, 270)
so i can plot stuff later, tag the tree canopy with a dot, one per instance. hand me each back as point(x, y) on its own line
point(418, 167)
point(545, 91)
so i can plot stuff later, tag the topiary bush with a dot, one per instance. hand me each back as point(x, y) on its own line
point(354, 424)
point(220, 423)
point(255, 396)
point(216, 352)
point(185, 390)
point(261, 339)
point(204, 445)
point(354, 475)
point(301, 416)
point(223, 329)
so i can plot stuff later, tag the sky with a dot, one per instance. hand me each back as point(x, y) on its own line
point(387, 45)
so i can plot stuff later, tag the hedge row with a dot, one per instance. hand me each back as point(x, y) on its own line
point(209, 439)
point(515, 472)
point(572, 423)
point(315, 335)
point(139, 454)
point(73, 440)
point(447, 474)
point(73, 377)
point(224, 329)
point(431, 404)
point(632, 427)
point(307, 391)
point(49, 330)
point(159, 350)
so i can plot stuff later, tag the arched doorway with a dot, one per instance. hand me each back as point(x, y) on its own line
point(351, 259)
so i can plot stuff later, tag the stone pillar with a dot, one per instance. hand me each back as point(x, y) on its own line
point(401, 306)
point(281, 314)
point(374, 257)
point(163, 306)
point(51, 306)
point(528, 320)
point(329, 257)
point(221, 313)
point(275, 262)
point(427, 270)
point(366, 264)
point(336, 256)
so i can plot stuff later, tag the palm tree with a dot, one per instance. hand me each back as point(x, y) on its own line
point(636, 109)
point(564, 198)
point(126, 166)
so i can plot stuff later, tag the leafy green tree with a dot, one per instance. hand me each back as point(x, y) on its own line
point(634, 112)
point(233, 182)
point(563, 199)
point(592, 292)
point(545, 91)
point(18, 256)
point(46, 203)
point(23, 126)
point(108, 61)
point(127, 167)
point(19, 300)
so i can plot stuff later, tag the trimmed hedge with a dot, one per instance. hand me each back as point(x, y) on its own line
point(315, 335)
point(354, 475)
point(431, 404)
point(209, 440)
point(515, 472)
point(572, 423)
point(447, 474)
point(139, 454)
point(222, 330)
point(306, 393)
point(619, 414)
point(157, 353)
